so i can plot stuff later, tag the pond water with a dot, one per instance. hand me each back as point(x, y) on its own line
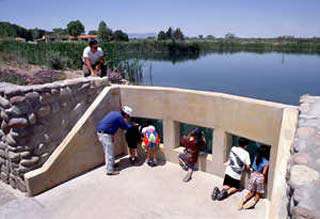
point(268, 76)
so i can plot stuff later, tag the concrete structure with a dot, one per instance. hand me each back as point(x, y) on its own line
point(138, 192)
point(266, 122)
point(35, 119)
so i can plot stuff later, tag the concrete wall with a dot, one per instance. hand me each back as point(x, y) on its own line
point(35, 119)
point(262, 121)
point(80, 151)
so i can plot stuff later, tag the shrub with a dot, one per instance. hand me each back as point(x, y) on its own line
point(56, 61)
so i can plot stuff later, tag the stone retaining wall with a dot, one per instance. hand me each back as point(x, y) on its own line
point(35, 119)
point(303, 190)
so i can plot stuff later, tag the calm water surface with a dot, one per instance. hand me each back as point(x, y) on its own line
point(270, 76)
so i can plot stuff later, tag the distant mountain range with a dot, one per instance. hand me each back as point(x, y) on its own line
point(141, 35)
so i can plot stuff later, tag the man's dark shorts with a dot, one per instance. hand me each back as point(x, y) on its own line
point(229, 181)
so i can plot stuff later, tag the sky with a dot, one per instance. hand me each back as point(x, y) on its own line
point(245, 18)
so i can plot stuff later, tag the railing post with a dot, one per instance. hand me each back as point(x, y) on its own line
point(221, 141)
point(171, 134)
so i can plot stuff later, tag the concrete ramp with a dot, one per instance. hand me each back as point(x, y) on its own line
point(80, 151)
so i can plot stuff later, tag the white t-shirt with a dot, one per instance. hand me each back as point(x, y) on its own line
point(94, 57)
point(238, 158)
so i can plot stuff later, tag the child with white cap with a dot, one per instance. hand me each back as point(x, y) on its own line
point(151, 141)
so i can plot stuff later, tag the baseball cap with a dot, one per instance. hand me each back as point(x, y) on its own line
point(127, 110)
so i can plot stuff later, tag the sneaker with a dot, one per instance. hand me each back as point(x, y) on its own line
point(113, 173)
point(154, 163)
point(215, 193)
point(222, 195)
point(131, 160)
point(188, 177)
point(150, 163)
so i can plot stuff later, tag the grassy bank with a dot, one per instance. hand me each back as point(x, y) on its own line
point(59, 55)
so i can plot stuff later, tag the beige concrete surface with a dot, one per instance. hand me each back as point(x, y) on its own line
point(80, 151)
point(139, 192)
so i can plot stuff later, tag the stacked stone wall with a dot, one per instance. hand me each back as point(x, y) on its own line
point(35, 119)
point(303, 182)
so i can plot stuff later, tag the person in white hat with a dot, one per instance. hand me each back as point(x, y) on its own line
point(106, 130)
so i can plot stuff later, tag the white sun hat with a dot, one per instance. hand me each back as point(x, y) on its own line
point(127, 110)
point(151, 128)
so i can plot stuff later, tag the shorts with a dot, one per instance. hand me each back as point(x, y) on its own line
point(229, 181)
point(185, 157)
point(256, 183)
point(152, 145)
point(132, 145)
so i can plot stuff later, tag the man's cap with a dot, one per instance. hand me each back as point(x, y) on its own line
point(127, 110)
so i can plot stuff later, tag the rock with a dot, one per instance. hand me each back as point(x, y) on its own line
point(55, 107)
point(1, 133)
point(14, 112)
point(305, 132)
point(15, 157)
point(2, 153)
point(299, 145)
point(33, 99)
point(12, 181)
point(3, 146)
point(29, 162)
point(302, 213)
point(301, 158)
point(55, 92)
point(4, 102)
point(25, 154)
point(4, 126)
point(65, 92)
point(17, 100)
point(32, 119)
point(18, 123)
point(4, 115)
point(20, 184)
point(10, 140)
point(44, 111)
point(301, 174)
point(4, 177)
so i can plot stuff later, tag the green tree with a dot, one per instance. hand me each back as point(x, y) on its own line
point(210, 37)
point(93, 32)
point(75, 28)
point(104, 33)
point(119, 35)
point(201, 36)
point(230, 36)
point(178, 35)
point(60, 31)
point(7, 30)
point(162, 35)
point(37, 33)
point(169, 33)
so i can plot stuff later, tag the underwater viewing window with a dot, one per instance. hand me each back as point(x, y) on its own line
point(208, 133)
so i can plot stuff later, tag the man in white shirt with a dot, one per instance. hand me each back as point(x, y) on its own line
point(93, 60)
point(239, 160)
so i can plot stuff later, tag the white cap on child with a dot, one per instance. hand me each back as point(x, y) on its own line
point(151, 128)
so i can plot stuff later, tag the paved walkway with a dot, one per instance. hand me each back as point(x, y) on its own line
point(137, 193)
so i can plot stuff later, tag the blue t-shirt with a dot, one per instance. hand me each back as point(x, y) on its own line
point(111, 123)
point(260, 166)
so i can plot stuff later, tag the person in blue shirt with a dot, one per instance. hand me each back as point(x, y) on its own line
point(106, 130)
point(257, 179)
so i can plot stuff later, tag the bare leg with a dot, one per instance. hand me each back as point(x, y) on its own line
point(245, 199)
point(188, 177)
point(252, 202)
